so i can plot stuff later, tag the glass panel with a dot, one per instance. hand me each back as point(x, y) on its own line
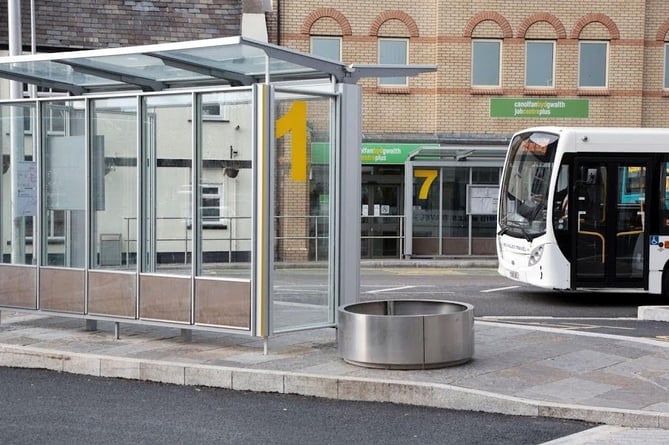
point(486, 56)
point(114, 183)
point(328, 47)
point(167, 199)
point(539, 64)
point(300, 296)
point(381, 220)
point(18, 184)
point(590, 189)
point(631, 221)
point(561, 201)
point(663, 215)
point(426, 211)
point(393, 52)
point(226, 187)
point(64, 179)
point(139, 65)
point(455, 222)
point(484, 226)
point(242, 59)
point(592, 64)
point(57, 72)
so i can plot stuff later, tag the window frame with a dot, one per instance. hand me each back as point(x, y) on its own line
point(217, 222)
point(323, 38)
point(607, 45)
point(527, 63)
point(665, 77)
point(393, 82)
point(210, 113)
point(499, 43)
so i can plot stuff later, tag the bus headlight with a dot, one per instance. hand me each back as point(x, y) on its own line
point(535, 255)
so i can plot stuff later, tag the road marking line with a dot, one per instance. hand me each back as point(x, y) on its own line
point(499, 289)
point(389, 289)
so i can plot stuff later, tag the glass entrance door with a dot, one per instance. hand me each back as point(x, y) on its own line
point(381, 223)
point(610, 222)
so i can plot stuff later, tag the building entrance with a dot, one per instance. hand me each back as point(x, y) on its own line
point(382, 218)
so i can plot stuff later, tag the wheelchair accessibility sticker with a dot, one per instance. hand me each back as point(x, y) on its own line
point(659, 241)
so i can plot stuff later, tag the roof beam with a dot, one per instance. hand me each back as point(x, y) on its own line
point(113, 74)
point(357, 72)
point(336, 69)
point(235, 78)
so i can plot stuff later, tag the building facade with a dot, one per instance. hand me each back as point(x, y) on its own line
point(501, 67)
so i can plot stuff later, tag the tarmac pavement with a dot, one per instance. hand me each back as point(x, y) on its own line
point(620, 382)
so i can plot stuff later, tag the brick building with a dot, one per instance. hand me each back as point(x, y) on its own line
point(502, 66)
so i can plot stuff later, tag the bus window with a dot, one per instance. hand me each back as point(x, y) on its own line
point(665, 193)
point(664, 199)
point(632, 190)
point(561, 200)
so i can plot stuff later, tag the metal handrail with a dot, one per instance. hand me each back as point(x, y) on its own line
point(401, 236)
point(314, 221)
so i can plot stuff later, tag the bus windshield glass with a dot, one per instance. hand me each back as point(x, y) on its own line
point(525, 186)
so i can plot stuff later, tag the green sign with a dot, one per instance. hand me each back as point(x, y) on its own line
point(371, 152)
point(539, 108)
point(383, 153)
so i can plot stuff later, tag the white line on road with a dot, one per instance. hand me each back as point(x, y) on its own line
point(389, 289)
point(499, 289)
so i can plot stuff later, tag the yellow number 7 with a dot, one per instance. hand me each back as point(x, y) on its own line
point(430, 176)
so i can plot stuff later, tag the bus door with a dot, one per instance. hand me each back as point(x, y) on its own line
point(611, 224)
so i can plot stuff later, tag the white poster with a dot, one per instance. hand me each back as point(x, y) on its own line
point(26, 190)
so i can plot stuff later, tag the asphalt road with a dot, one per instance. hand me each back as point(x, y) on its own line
point(57, 408)
point(500, 299)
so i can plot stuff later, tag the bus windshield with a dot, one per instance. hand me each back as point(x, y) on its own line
point(525, 185)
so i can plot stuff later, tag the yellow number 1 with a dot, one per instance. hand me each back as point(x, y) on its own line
point(295, 123)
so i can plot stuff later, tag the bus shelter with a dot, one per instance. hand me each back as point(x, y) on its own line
point(172, 184)
point(451, 200)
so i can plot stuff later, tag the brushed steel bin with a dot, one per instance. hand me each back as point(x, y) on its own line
point(406, 334)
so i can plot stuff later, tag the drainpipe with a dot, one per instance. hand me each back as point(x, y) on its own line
point(278, 22)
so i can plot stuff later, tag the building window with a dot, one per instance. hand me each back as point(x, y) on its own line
point(326, 47)
point(592, 64)
point(539, 63)
point(211, 206)
point(393, 52)
point(214, 112)
point(666, 65)
point(486, 63)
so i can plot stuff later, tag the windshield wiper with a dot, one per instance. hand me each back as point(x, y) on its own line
point(510, 226)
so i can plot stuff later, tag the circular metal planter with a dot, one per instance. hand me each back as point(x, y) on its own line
point(406, 334)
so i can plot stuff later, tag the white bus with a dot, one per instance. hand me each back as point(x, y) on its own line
point(586, 208)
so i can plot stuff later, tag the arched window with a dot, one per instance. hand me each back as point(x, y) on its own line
point(594, 32)
point(393, 30)
point(487, 31)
